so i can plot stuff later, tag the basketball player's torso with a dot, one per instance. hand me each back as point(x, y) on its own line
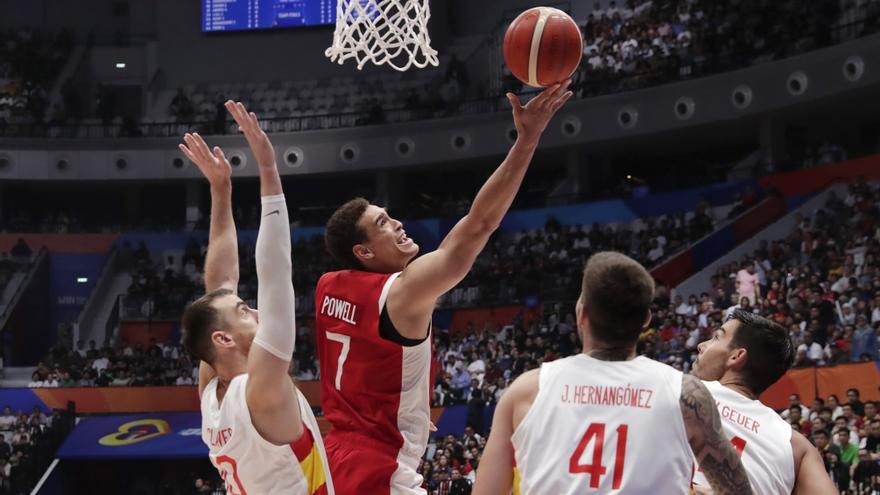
point(597, 426)
point(248, 463)
point(370, 385)
point(760, 436)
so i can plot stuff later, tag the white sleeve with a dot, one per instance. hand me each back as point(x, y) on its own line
point(275, 298)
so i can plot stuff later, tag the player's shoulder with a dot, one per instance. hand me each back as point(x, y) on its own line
point(522, 392)
point(525, 384)
point(351, 276)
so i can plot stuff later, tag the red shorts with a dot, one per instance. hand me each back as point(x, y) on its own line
point(362, 465)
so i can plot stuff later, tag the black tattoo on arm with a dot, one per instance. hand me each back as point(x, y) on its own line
point(714, 452)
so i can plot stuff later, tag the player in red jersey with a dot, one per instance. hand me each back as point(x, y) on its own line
point(374, 319)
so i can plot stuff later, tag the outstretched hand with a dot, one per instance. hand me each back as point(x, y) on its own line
point(531, 120)
point(256, 137)
point(212, 163)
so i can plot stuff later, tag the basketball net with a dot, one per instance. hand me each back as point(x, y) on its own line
point(393, 32)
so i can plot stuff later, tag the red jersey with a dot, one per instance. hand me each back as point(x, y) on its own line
point(371, 387)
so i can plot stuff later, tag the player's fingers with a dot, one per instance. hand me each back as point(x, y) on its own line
point(561, 101)
point(235, 111)
point(193, 147)
point(554, 95)
point(254, 121)
point(544, 95)
point(218, 152)
point(201, 145)
point(243, 115)
point(186, 152)
point(514, 102)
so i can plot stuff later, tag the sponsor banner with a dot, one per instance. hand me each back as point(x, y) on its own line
point(136, 436)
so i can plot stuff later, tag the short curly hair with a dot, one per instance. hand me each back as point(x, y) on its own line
point(343, 232)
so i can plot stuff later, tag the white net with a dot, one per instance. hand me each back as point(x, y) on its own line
point(393, 32)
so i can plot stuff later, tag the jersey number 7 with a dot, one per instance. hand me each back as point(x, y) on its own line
point(345, 340)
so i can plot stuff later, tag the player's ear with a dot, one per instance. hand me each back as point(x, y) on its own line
point(647, 319)
point(580, 314)
point(362, 252)
point(221, 339)
point(738, 358)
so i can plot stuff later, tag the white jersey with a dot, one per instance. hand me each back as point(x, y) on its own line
point(251, 465)
point(761, 437)
point(602, 426)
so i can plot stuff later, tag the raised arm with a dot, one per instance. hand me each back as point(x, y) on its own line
point(413, 295)
point(271, 397)
point(713, 451)
point(221, 262)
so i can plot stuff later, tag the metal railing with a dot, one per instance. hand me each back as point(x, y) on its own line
point(680, 66)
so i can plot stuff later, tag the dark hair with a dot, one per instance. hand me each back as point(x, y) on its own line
point(853, 390)
point(199, 319)
point(616, 293)
point(343, 232)
point(770, 351)
point(821, 432)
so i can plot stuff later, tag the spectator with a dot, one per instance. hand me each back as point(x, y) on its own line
point(849, 453)
point(184, 378)
point(864, 341)
point(747, 283)
point(36, 381)
point(7, 420)
point(871, 441)
point(854, 400)
point(5, 448)
point(794, 400)
point(459, 486)
point(21, 250)
point(181, 107)
point(813, 350)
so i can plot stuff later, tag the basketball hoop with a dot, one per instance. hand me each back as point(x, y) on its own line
point(393, 32)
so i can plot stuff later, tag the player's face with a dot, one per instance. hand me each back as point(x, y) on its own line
point(387, 246)
point(711, 362)
point(240, 321)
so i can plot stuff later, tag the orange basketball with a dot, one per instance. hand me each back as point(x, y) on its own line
point(543, 46)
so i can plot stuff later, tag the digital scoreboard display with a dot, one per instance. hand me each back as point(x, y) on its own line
point(238, 15)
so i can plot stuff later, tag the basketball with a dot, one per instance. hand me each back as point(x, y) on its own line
point(543, 46)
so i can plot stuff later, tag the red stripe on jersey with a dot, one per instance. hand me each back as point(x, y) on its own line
point(303, 447)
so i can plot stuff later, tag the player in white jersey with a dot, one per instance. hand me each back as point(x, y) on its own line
point(262, 435)
point(605, 420)
point(746, 355)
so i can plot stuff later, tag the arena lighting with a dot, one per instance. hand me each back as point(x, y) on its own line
point(82, 280)
point(120, 65)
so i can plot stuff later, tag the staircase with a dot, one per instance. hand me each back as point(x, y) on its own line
point(699, 282)
point(92, 321)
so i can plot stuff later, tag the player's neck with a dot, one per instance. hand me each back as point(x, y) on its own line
point(611, 353)
point(734, 383)
point(229, 370)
